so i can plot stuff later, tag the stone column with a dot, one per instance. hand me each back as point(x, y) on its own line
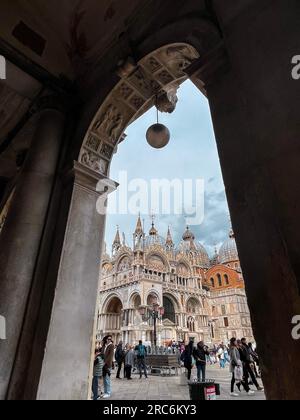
point(67, 365)
point(255, 106)
point(21, 235)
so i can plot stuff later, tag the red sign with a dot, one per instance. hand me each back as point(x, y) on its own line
point(210, 393)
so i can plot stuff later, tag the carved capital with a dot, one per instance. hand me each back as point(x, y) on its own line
point(207, 69)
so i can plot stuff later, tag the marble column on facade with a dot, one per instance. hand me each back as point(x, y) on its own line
point(72, 324)
point(21, 234)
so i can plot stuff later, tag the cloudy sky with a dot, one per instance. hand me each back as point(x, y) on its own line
point(190, 155)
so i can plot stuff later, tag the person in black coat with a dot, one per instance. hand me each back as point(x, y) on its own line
point(247, 360)
point(200, 353)
point(120, 358)
point(187, 358)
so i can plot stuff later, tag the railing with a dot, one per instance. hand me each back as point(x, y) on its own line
point(152, 277)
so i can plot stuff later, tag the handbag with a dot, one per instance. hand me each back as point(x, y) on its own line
point(238, 373)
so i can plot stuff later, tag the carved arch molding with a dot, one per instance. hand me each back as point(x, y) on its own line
point(159, 72)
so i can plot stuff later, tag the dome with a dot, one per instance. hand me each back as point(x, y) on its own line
point(154, 240)
point(228, 251)
point(188, 235)
point(197, 249)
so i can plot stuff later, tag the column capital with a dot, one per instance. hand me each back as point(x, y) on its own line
point(209, 67)
point(94, 181)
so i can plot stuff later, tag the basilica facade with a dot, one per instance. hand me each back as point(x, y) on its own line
point(194, 296)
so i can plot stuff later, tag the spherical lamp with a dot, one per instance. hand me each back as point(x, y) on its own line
point(158, 136)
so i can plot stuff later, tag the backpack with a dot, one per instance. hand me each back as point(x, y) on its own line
point(141, 351)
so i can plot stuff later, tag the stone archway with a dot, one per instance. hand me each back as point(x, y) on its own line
point(158, 74)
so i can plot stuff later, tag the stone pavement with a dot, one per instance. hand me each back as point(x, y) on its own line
point(157, 388)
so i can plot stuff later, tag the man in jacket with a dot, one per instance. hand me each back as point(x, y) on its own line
point(141, 353)
point(119, 356)
point(247, 361)
point(108, 355)
point(200, 353)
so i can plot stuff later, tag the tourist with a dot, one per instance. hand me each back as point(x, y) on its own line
point(221, 356)
point(255, 359)
point(108, 355)
point(141, 353)
point(187, 358)
point(120, 357)
point(236, 368)
point(97, 374)
point(200, 353)
point(247, 363)
point(129, 362)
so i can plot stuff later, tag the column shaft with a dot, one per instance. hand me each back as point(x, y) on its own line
point(22, 232)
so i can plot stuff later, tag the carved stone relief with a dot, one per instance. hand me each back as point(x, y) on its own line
point(93, 162)
point(110, 123)
point(159, 71)
point(93, 142)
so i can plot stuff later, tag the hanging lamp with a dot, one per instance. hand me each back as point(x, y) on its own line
point(158, 135)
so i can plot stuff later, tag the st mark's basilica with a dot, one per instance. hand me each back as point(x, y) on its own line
point(195, 296)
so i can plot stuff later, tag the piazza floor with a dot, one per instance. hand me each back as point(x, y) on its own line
point(158, 388)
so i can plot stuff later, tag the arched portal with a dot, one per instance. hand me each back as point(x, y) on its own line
point(111, 318)
point(169, 308)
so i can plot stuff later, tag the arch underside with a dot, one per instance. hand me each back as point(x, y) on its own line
point(156, 74)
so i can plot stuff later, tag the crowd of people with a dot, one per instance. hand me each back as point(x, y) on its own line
point(240, 356)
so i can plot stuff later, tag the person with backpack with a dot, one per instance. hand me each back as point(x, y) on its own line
point(120, 357)
point(97, 374)
point(141, 353)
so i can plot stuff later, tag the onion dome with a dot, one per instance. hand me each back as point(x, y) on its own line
point(228, 252)
point(188, 235)
point(154, 238)
point(153, 231)
point(193, 248)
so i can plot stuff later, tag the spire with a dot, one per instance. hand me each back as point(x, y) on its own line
point(153, 230)
point(169, 240)
point(117, 242)
point(138, 235)
point(139, 227)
